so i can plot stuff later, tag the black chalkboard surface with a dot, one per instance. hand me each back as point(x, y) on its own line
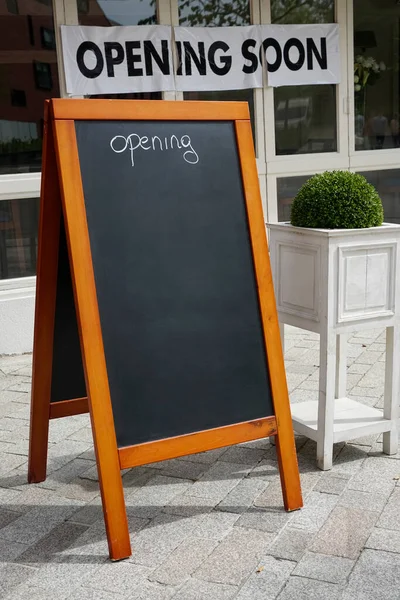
point(68, 378)
point(174, 274)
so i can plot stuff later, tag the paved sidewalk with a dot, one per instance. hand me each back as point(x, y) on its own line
point(209, 526)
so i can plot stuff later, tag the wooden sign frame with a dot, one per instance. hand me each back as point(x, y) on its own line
point(62, 193)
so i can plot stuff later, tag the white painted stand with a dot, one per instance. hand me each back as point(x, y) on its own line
point(335, 282)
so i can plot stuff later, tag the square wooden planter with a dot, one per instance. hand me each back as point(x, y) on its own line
point(334, 282)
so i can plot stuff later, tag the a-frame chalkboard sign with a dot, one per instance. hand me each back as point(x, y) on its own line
point(155, 307)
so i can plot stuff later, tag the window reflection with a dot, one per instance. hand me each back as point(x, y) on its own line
point(18, 237)
point(376, 75)
point(287, 188)
point(28, 76)
point(387, 183)
point(226, 13)
point(108, 13)
point(305, 115)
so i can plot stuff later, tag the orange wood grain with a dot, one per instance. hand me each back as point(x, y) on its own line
point(91, 340)
point(68, 408)
point(141, 454)
point(46, 289)
point(285, 445)
point(152, 110)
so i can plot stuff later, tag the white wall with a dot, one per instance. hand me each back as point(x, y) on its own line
point(17, 309)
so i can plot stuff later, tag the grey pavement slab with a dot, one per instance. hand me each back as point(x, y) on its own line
point(376, 576)
point(299, 588)
point(345, 532)
point(235, 558)
point(291, 544)
point(332, 569)
point(184, 561)
point(208, 526)
point(267, 580)
point(195, 589)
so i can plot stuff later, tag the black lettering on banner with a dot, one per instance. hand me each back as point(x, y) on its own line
point(111, 60)
point(248, 55)
point(226, 61)
point(132, 59)
point(199, 60)
point(150, 54)
point(80, 53)
point(294, 43)
point(179, 53)
point(322, 58)
point(271, 43)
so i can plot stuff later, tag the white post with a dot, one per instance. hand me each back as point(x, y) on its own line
point(392, 388)
point(326, 404)
point(341, 366)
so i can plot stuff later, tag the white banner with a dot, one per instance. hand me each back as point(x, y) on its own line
point(111, 60)
point(117, 60)
point(301, 54)
point(211, 58)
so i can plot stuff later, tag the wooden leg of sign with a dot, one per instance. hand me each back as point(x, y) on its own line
point(91, 339)
point(46, 289)
point(285, 446)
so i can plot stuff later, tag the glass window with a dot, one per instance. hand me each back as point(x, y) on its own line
point(18, 237)
point(108, 13)
point(287, 188)
point(195, 13)
point(387, 183)
point(376, 74)
point(28, 76)
point(305, 115)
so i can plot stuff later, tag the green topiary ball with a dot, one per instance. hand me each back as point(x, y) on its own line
point(337, 200)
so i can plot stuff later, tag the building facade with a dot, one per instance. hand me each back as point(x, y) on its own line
point(298, 130)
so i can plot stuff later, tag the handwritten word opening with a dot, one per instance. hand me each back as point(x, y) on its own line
point(133, 142)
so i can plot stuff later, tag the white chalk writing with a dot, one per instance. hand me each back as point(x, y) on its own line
point(134, 141)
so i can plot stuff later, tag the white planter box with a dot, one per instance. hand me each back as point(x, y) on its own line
point(334, 282)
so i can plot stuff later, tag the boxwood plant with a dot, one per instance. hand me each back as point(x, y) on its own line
point(337, 200)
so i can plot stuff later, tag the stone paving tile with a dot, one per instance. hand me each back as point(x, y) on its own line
point(195, 589)
point(12, 575)
point(383, 539)
point(331, 484)
point(243, 455)
point(9, 551)
point(61, 537)
point(376, 576)
point(85, 593)
point(264, 520)
point(389, 518)
point(189, 506)
point(291, 544)
point(317, 508)
point(372, 501)
point(219, 480)
point(184, 561)
point(376, 476)
point(183, 469)
point(332, 569)
point(235, 558)
point(208, 457)
point(345, 532)
point(7, 517)
point(242, 496)
point(148, 500)
point(125, 573)
point(153, 544)
point(299, 588)
point(267, 580)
